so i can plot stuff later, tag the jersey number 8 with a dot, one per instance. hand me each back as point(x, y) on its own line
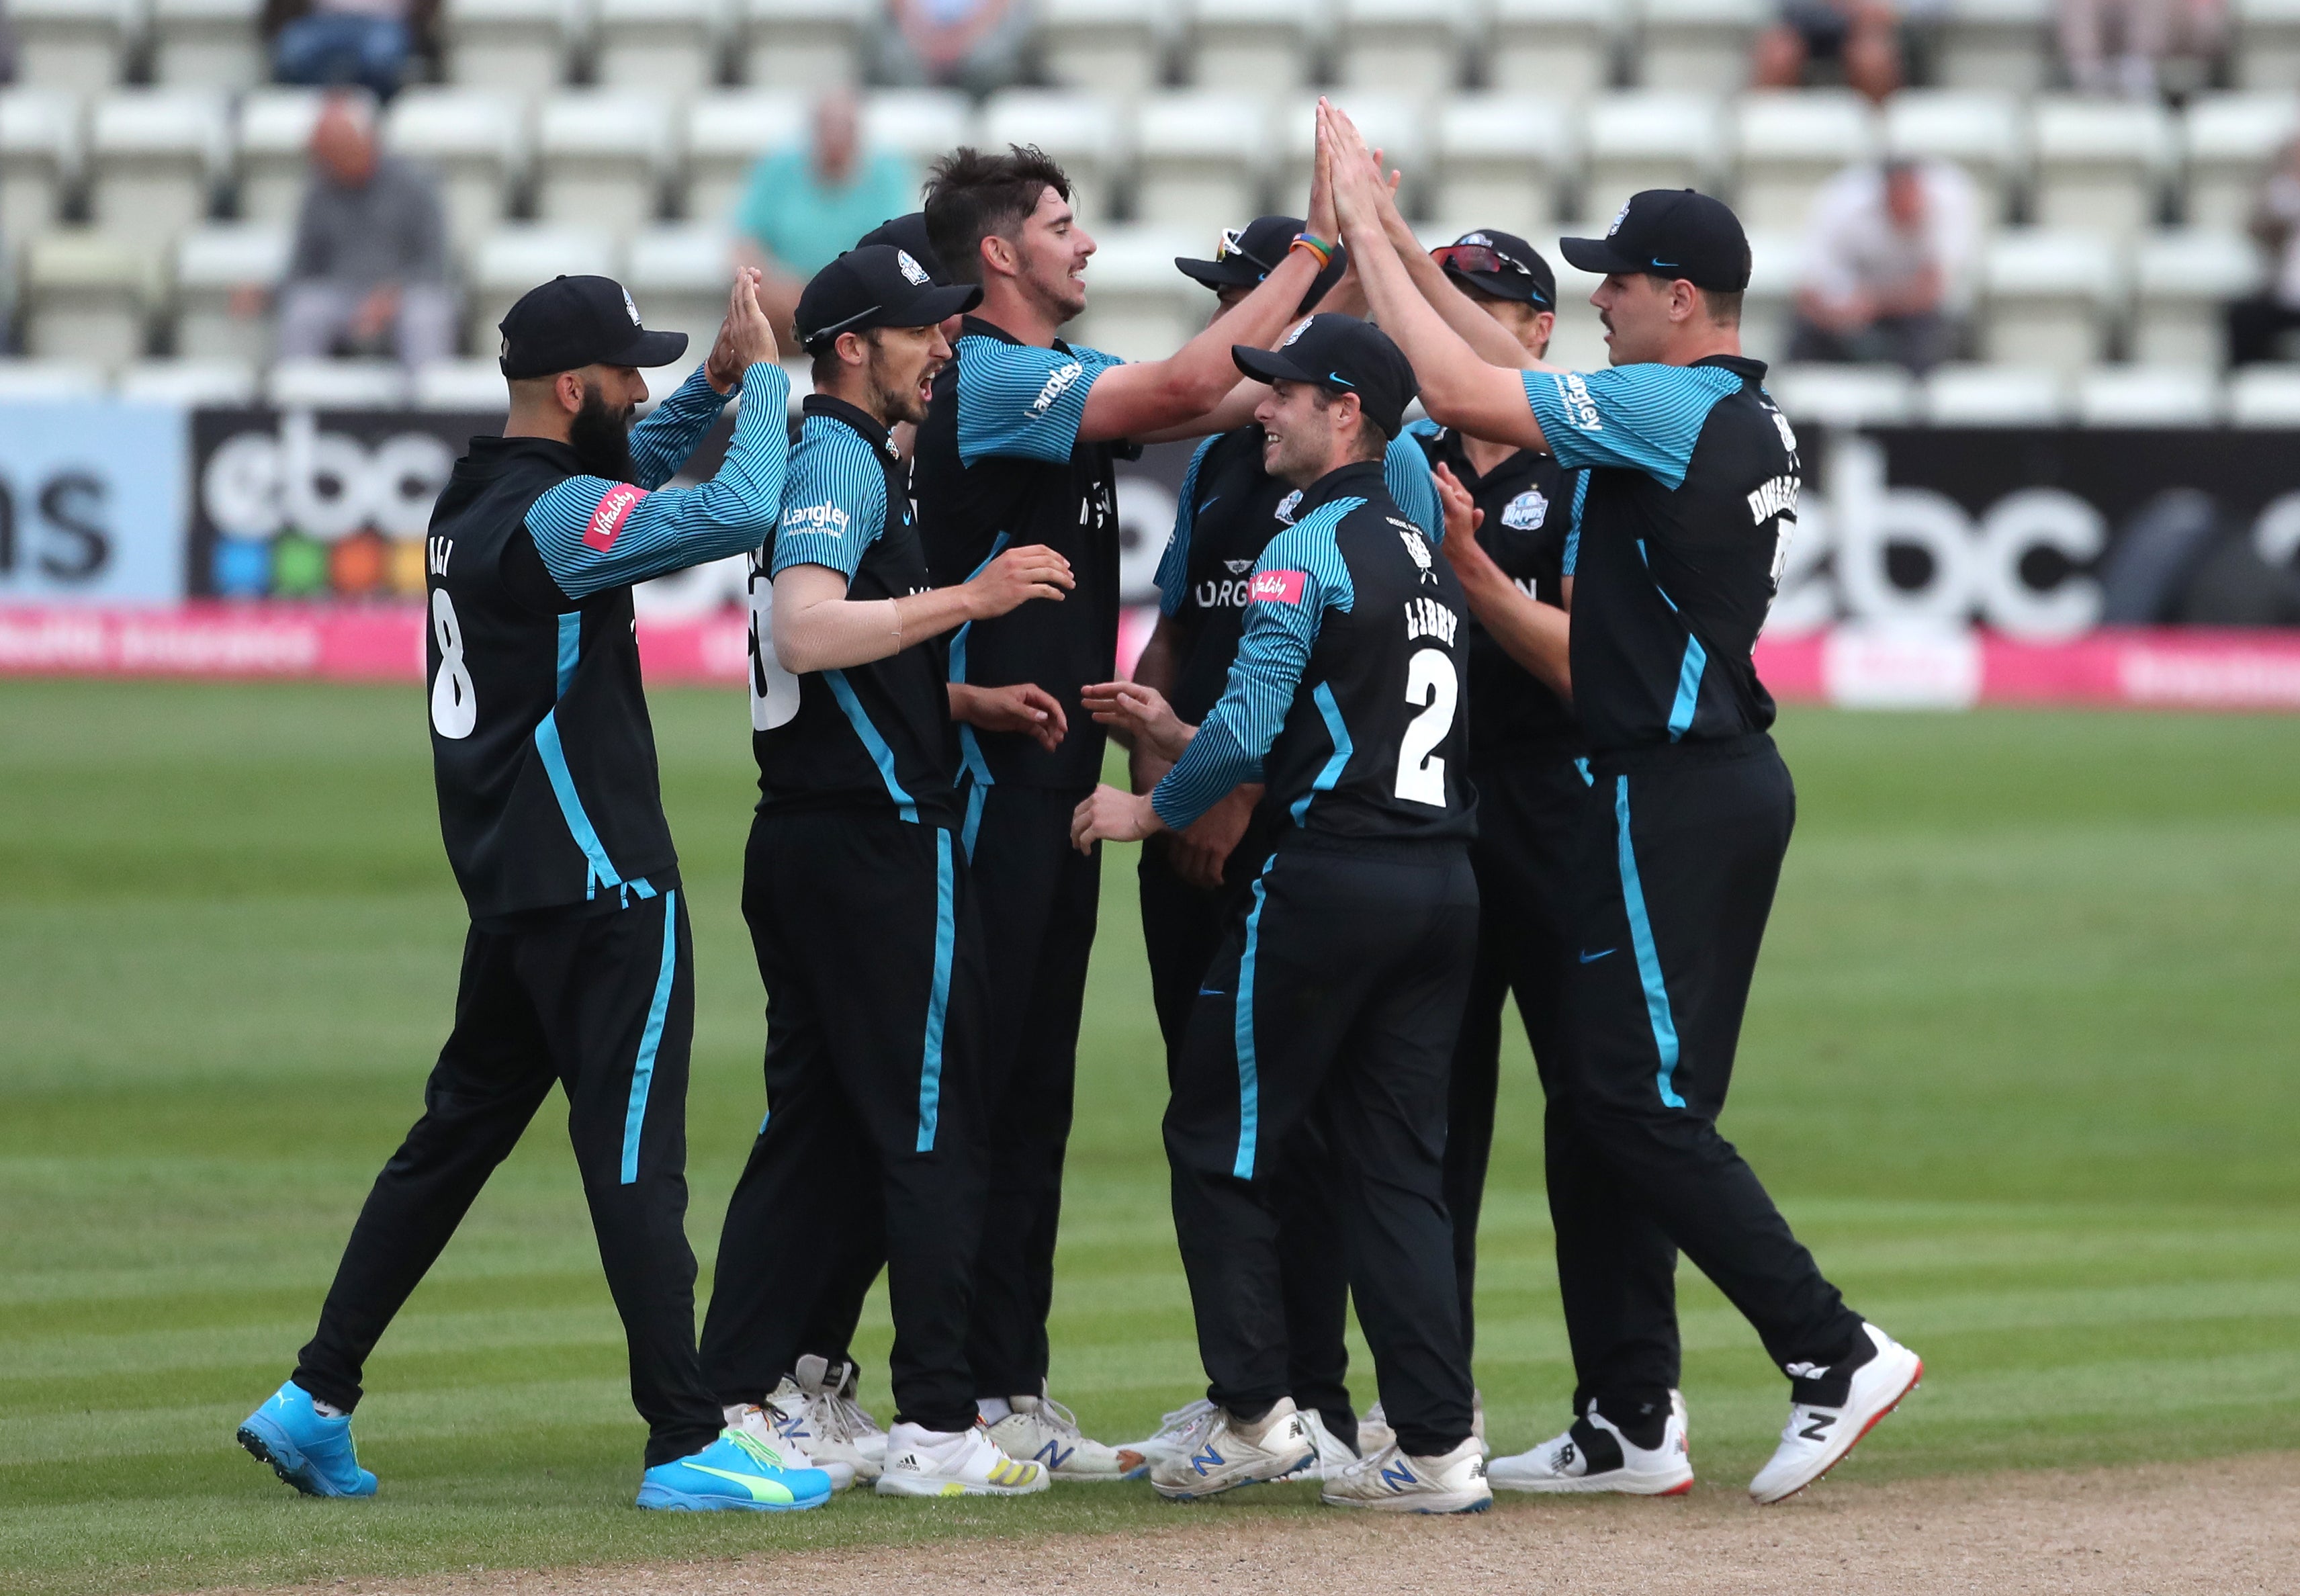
point(454, 705)
point(1430, 684)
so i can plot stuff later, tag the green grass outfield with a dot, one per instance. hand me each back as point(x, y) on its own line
point(2020, 1064)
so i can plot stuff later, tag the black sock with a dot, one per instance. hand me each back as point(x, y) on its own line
point(1642, 1423)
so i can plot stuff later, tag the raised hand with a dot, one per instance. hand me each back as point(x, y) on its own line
point(1020, 707)
point(744, 338)
point(1141, 713)
point(1462, 516)
point(1017, 577)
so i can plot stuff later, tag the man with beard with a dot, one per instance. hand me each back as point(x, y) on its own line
point(861, 910)
point(579, 969)
point(1017, 449)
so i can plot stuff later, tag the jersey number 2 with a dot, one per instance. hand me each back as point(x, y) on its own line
point(454, 706)
point(1430, 683)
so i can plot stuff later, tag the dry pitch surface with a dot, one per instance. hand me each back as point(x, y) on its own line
point(2223, 1527)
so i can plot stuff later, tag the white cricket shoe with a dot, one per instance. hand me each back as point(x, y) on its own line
point(1041, 1430)
point(1815, 1439)
point(1375, 1434)
point(1230, 1452)
point(1177, 1434)
point(1390, 1482)
point(921, 1462)
point(814, 1409)
point(1333, 1455)
point(1562, 1466)
point(759, 1425)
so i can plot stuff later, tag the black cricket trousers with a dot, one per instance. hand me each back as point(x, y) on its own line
point(1680, 848)
point(601, 1002)
point(1339, 994)
point(864, 927)
point(1182, 927)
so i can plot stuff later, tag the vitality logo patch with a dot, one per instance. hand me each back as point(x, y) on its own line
point(615, 507)
point(1279, 586)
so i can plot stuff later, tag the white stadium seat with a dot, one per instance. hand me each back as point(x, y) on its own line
point(726, 132)
point(208, 44)
point(2148, 396)
point(1648, 139)
point(1788, 145)
point(41, 147)
point(1111, 47)
point(2004, 45)
point(1769, 308)
point(1561, 48)
point(214, 264)
point(512, 259)
point(1973, 395)
point(805, 43)
point(474, 140)
point(2046, 298)
point(1394, 124)
point(2231, 140)
point(1980, 130)
point(155, 157)
point(2180, 279)
point(678, 276)
point(2265, 396)
point(1138, 305)
point(1400, 46)
point(79, 45)
point(1834, 396)
point(274, 146)
point(1080, 131)
point(26, 380)
point(1255, 46)
point(671, 46)
point(1202, 159)
point(1698, 47)
point(190, 383)
point(336, 384)
point(2100, 164)
point(87, 298)
point(1502, 160)
point(917, 124)
point(476, 386)
point(2266, 52)
point(601, 157)
point(510, 47)
point(1579, 341)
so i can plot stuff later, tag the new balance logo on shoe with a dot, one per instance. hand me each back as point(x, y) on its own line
point(1207, 1458)
point(1397, 1476)
point(1817, 1429)
point(1054, 1454)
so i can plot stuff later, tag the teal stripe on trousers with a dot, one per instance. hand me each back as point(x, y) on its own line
point(651, 1040)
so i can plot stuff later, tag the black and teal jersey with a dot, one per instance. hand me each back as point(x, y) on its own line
point(1529, 500)
point(1692, 495)
point(1230, 509)
point(874, 734)
point(541, 748)
point(1345, 700)
point(999, 465)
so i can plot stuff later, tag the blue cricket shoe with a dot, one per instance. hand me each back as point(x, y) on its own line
point(304, 1447)
point(735, 1471)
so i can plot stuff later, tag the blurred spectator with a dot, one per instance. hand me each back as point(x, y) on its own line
point(974, 44)
point(326, 42)
point(1860, 37)
point(804, 207)
point(369, 270)
point(2148, 36)
point(2256, 326)
point(1890, 253)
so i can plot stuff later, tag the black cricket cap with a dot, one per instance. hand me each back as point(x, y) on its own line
point(1244, 256)
point(1501, 264)
point(877, 285)
point(575, 321)
point(1341, 354)
point(1672, 233)
point(910, 233)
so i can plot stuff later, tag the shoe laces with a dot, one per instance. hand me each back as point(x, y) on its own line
point(1185, 1420)
point(854, 1419)
point(1058, 1418)
point(752, 1446)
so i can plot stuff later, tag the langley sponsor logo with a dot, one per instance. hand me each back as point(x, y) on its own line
point(1280, 586)
point(824, 518)
point(615, 507)
point(1776, 497)
point(1582, 408)
point(1058, 382)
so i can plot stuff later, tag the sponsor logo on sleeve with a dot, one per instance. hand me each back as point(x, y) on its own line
point(1280, 586)
point(1058, 382)
point(1581, 409)
point(615, 507)
point(825, 520)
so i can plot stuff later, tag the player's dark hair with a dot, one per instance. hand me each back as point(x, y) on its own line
point(826, 364)
point(1724, 305)
point(973, 195)
point(1373, 442)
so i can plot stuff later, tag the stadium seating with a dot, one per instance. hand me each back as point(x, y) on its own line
point(2100, 165)
point(1140, 306)
point(2264, 396)
point(514, 258)
point(512, 47)
point(2148, 396)
point(726, 131)
point(1561, 47)
point(1110, 47)
point(215, 265)
point(2267, 53)
point(803, 44)
point(40, 153)
point(1972, 396)
point(77, 45)
point(187, 384)
point(474, 384)
point(1501, 160)
point(336, 384)
point(86, 296)
point(2181, 276)
point(1400, 46)
point(671, 46)
point(1260, 46)
point(1700, 46)
point(2001, 45)
point(1650, 139)
point(2231, 139)
point(154, 158)
point(208, 44)
point(1393, 124)
point(917, 124)
point(1078, 130)
point(2047, 299)
point(602, 157)
point(1788, 145)
point(1979, 130)
point(1844, 395)
point(1204, 159)
point(274, 136)
point(475, 140)
point(679, 273)
point(23, 381)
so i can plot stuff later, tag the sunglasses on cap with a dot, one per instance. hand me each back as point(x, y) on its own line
point(1477, 257)
point(1227, 247)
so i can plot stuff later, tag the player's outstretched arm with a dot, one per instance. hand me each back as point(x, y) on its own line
point(1481, 331)
point(1021, 707)
point(1141, 714)
point(1458, 388)
point(660, 443)
point(1535, 634)
point(818, 627)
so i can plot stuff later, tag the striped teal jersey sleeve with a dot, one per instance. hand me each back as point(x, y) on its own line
point(1642, 418)
point(1405, 473)
point(1021, 401)
point(1174, 564)
point(660, 443)
point(834, 500)
point(1300, 575)
point(594, 534)
point(1573, 531)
